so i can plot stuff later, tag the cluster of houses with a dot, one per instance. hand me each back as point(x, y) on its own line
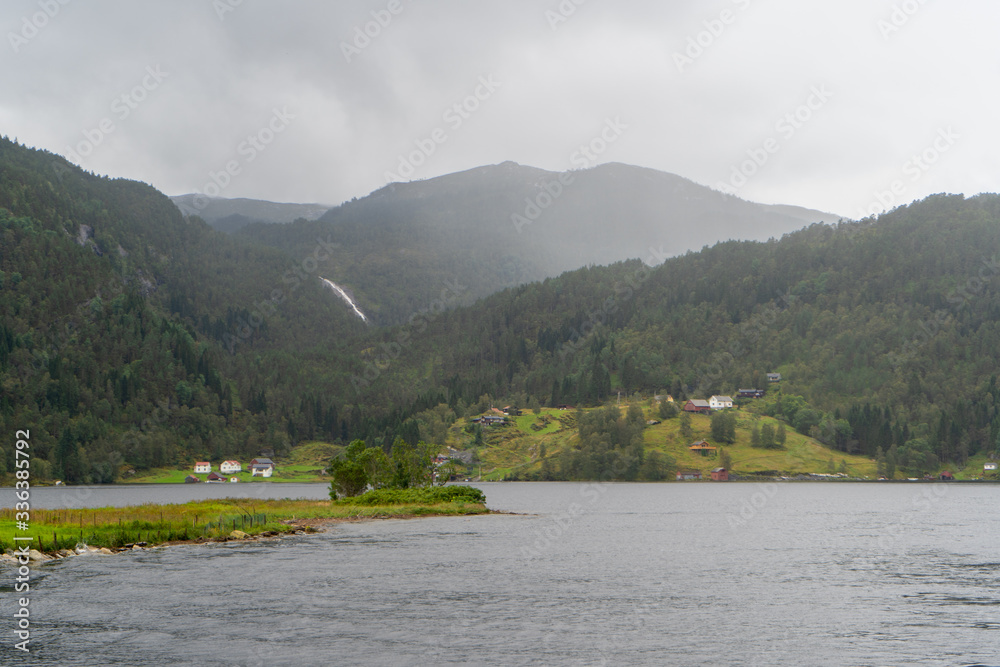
point(704, 407)
point(717, 475)
point(705, 448)
point(497, 416)
point(262, 467)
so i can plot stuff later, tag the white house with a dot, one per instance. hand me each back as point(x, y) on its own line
point(230, 466)
point(261, 470)
point(262, 462)
point(720, 402)
point(202, 467)
point(989, 467)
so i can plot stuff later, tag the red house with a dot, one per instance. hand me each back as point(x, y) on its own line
point(698, 405)
point(720, 475)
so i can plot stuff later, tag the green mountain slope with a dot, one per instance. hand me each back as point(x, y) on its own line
point(133, 338)
point(884, 331)
point(120, 323)
point(460, 237)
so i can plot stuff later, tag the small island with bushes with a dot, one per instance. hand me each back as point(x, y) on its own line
point(365, 486)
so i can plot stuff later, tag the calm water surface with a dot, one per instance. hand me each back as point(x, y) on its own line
point(123, 495)
point(615, 574)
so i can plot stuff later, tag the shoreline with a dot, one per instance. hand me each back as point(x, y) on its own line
point(304, 526)
point(69, 531)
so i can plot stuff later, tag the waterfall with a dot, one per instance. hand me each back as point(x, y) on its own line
point(343, 295)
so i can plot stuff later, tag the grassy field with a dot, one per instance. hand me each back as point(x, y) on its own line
point(801, 454)
point(519, 447)
point(305, 464)
point(114, 527)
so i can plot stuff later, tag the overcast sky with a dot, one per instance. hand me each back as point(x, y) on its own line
point(820, 104)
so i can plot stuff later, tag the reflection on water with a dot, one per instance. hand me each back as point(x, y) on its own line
point(652, 574)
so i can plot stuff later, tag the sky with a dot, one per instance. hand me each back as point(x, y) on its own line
point(850, 107)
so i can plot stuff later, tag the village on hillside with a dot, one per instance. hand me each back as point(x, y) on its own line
point(260, 467)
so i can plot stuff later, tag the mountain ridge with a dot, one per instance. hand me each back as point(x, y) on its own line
point(499, 226)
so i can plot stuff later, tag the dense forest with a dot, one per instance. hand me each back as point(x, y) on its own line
point(133, 337)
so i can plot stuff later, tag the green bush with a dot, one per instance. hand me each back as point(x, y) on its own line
point(420, 496)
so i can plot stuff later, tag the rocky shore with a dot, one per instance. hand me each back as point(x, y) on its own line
point(36, 557)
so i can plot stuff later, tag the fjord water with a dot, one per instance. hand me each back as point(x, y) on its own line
point(590, 574)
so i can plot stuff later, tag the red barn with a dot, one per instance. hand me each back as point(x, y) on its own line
point(698, 405)
point(720, 475)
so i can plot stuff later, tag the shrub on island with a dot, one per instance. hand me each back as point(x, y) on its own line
point(420, 496)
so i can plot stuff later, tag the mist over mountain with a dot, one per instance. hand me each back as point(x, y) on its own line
point(503, 225)
point(230, 215)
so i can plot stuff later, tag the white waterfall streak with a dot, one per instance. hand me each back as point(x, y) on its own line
point(343, 295)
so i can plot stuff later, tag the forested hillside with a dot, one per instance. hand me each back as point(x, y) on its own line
point(131, 337)
point(474, 233)
point(885, 333)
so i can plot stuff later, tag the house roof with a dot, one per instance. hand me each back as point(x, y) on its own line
point(698, 402)
point(701, 444)
point(262, 461)
point(718, 470)
point(202, 463)
point(723, 398)
point(235, 462)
